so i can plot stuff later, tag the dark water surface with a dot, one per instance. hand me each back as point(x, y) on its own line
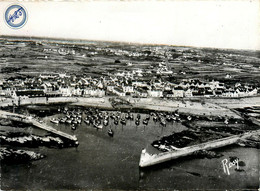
point(102, 162)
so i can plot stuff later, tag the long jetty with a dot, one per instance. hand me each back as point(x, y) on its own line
point(147, 159)
point(31, 121)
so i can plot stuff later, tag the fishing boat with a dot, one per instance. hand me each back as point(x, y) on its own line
point(87, 121)
point(131, 116)
point(168, 118)
point(155, 118)
point(53, 120)
point(105, 122)
point(100, 115)
point(68, 121)
point(63, 120)
point(99, 126)
point(127, 116)
point(112, 116)
point(73, 127)
point(123, 121)
point(74, 121)
point(106, 117)
point(145, 121)
point(110, 132)
point(116, 122)
point(163, 123)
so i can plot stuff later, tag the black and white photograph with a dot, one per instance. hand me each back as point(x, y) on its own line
point(120, 95)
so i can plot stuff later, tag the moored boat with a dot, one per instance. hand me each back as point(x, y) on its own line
point(73, 127)
point(53, 120)
point(63, 120)
point(145, 122)
point(98, 126)
point(105, 122)
point(87, 121)
point(110, 132)
point(137, 122)
point(68, 121)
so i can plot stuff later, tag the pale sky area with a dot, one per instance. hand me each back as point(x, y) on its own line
point(202, 23)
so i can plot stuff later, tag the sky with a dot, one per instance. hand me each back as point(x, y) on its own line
point(231, 24)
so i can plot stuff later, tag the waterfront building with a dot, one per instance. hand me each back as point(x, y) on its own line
point(65, 91)
point(155, 93)
point(168, 93)
point(188, 93)
point(119, 91)
point(178, 92)
point(128, 89)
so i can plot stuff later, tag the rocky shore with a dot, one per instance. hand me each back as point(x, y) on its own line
point(28, 140)
point(12, 156)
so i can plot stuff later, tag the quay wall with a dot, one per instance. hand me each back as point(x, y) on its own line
point(207, 107)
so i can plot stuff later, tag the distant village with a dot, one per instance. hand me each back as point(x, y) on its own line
point(125, 83)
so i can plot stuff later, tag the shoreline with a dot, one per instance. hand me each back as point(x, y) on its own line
point(195, 106)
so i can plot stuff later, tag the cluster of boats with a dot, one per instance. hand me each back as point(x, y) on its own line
point(160, 117)
point(99, 119)
point(121, 117)
point(96, 118)
point(93, 117)
point(72, 117)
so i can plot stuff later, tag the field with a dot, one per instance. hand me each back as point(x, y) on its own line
point(22, 57)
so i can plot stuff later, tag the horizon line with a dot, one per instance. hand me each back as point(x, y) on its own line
point(78, 41)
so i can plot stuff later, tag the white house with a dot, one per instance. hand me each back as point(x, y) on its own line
point(94, 92)
point(128, 89)
point(65, 91)
point(155, 93)
point(47, 87)
point(253, 92)
point(178, 93)
point(188, 93)
point(97, 93)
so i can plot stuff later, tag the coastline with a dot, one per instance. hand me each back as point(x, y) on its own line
point(206, 107)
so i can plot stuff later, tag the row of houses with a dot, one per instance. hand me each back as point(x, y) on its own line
point(55, 85)
point(180, 92)
point(119, 91)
